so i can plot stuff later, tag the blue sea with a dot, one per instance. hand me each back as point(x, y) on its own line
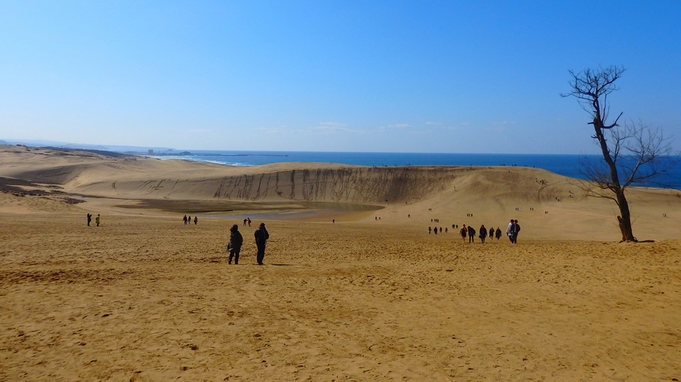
point(567, 165)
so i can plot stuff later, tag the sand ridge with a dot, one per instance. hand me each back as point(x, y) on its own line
point(549, 206)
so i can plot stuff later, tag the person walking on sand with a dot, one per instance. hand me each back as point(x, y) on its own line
point(509, 231)
point(97, 220)
point(483, 233)
point(261, 236)
point(471, 234)
point(235, 242)
point(463, 233)
point(89, 219)
point(184, 219)
point(516, 231)
point(498, 233)
point(196, 220)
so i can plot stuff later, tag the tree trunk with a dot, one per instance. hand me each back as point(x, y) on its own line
point(625, 218)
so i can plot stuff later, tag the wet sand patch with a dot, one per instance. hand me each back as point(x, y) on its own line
point(267, 208)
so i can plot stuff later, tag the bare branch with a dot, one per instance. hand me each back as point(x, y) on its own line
point(589, 86)
point(648, 154)
point(634, 153)
point(614, 123)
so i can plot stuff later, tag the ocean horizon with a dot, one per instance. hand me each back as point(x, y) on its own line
point(563, 164)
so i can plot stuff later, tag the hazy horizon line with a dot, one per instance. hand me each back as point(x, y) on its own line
point(132, 148)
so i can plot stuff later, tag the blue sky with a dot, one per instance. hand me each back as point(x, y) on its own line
point(387, 76)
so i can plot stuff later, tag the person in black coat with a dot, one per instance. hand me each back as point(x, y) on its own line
point(261, 236)
point(235, 242)
point(483, 233)
point(471, 234)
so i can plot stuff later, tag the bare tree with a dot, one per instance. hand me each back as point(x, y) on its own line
point(633, 154)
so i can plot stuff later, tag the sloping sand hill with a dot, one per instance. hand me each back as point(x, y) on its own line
point(353, 287)
point(548, 206)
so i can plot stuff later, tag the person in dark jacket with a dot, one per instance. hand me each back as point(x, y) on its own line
point(235, 242)
point(483, 233)
point(471, 234)
point(516, 230)
point(261, 236)
point(498, 233)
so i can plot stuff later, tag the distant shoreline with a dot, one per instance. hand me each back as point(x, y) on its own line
point(562, 164)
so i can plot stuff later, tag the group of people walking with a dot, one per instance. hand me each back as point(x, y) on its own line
point(469, 232)
point(188, 219)
point(511, 231)
point(236, 240)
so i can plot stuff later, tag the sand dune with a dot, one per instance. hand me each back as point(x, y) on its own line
point(372, 296)
point(548, 205)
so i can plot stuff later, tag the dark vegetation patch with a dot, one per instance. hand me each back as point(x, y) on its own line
point(63, 152)
point(18, 187)
point(23, 187)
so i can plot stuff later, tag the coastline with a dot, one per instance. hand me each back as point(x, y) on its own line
point(563, 164)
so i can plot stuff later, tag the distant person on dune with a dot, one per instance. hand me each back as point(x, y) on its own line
point(483, 233)
point(196, 220)
point(463, 232)
point(513, 230)
point(516, 231)
point(89, 219)
point(261, 236)
point(509, 230)
point(184, 219)
point(235, 242)
point(97, 220)
point(471, 234)
point(498, 233)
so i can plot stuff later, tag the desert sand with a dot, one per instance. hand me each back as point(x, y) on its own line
point(373, 296)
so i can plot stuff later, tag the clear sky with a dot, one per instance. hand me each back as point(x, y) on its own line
point(386, 76)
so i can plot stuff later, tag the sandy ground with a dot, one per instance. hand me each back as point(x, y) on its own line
point(373, 296)
point(154, 300)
